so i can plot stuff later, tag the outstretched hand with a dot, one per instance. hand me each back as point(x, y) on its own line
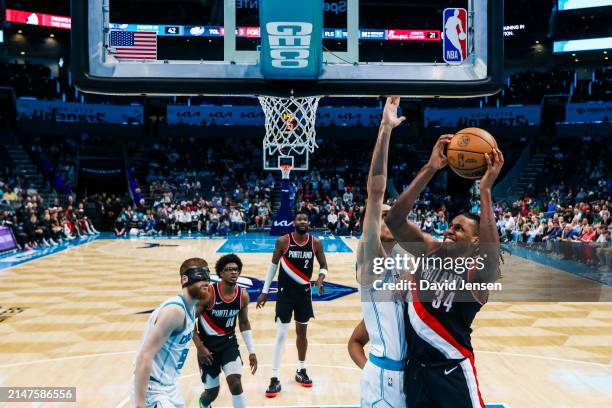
point(493, 168)
point(390, 117)
point(438, 160)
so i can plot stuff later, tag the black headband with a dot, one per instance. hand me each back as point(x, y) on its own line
point(196, 274)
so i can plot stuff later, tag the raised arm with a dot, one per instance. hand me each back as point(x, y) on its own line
point(404, 232)
point(356, 344)
point(170, 318)
point(489, 236)
point(369, 244)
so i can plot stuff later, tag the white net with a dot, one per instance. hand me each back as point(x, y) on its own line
point(290, 124)
point(285, 169)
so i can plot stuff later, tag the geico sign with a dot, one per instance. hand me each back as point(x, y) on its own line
point(289, 44)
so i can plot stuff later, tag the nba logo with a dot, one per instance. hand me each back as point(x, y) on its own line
point(455, 35)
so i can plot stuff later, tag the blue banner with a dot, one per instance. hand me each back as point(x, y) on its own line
point(589, 112)
point(58, 111)
point(206, 115)
point(480, 117)
point(282, 223)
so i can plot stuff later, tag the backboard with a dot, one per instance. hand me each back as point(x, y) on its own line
point(213, 47)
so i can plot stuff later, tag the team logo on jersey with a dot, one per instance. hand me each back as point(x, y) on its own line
point(455, 35)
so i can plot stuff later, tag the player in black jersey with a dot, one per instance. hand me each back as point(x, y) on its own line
point(441, 371)
point(216, 341)
point(295, 252)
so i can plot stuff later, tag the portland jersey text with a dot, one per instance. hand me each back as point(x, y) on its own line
point(440, 320)
point(217, 323)
point(296, 263)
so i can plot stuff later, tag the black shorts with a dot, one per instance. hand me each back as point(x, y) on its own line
point(296, 301)
point(449, 384)
point(221, 357)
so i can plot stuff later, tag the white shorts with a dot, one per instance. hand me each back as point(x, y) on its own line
point(382, 388)
point(160, 396)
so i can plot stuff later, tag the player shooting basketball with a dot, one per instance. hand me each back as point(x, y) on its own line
point(296, 253)
point(165, 343)
point(382, 379)
point(215, 339)
point(441, 370)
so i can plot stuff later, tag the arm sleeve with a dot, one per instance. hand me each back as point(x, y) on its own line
point(269, 277)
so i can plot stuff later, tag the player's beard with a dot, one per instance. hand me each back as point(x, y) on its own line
point(301, 230)
point(195, 292)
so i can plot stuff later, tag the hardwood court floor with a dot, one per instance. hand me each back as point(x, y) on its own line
point(80, 327)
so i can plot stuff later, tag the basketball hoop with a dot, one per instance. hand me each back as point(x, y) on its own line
point(285, 169)
point(290, 126)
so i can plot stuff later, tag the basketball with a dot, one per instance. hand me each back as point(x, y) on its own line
point(466, 152)
point(462, 36)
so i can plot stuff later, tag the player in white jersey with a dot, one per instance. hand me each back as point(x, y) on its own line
point(382, 379)
point(166, 340)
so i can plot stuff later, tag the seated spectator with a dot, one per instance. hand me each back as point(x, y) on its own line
point(150, 224)
point(427, 225)
point(332, 221)
point(119, 227)
point(588, 234)
point(237, 220)
point(344, 222)
point(535, 232)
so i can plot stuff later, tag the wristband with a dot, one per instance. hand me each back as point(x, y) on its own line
point(247, 336)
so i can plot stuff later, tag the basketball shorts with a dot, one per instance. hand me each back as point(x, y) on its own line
point(226, 359)
point(450, 384)
point(296, 302)
point(160, 396)
point(381, 388)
